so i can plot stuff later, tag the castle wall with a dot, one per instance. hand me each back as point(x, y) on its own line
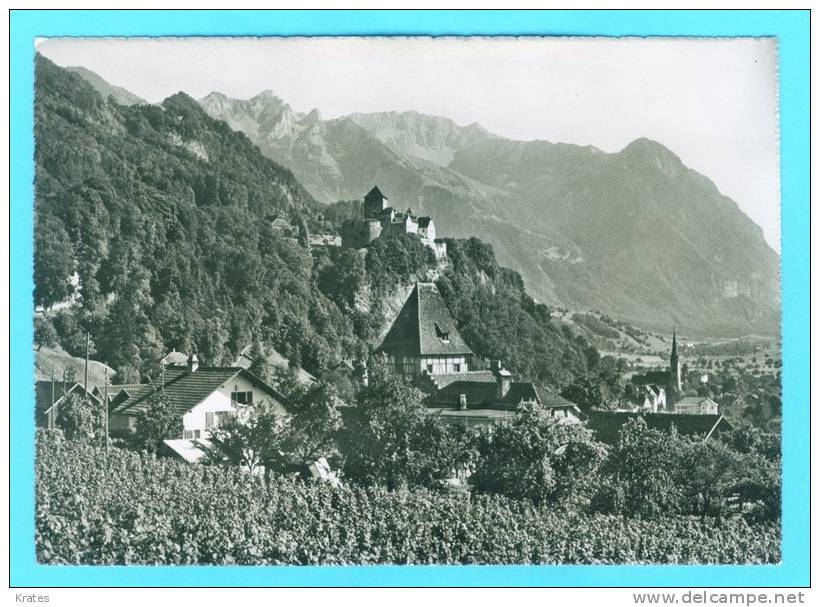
point(358, 233)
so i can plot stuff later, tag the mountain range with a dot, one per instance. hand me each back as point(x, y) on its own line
point(156, 229)
point(633, 234)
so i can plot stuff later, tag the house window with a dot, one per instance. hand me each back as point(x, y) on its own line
point(242, 398)
point(430, 368)
point(442, 333)
point(457, 367)
point(191, 434)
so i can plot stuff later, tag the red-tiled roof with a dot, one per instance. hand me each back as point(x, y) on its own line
point(421, 325)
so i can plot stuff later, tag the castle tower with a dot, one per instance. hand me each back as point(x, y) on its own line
point(675, 387)
point(374, 203)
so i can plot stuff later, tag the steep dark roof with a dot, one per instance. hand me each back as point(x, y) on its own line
point(186, 390)
point(420, 324)
point(482, 395)
point(374, 192)
point(553, 399)
point(424, 222)
point(661, 378)
point(607, 424)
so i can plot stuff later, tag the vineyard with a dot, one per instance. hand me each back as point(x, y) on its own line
point(122, 507)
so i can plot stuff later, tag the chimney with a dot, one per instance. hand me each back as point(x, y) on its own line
point(193, 362)
point(503, 379)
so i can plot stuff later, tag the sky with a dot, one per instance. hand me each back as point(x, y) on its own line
point(714, 102)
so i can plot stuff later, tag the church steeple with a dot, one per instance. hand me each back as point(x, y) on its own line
point(675, 387)
point(674, 345)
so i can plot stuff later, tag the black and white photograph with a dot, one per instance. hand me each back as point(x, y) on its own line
point(407, 301)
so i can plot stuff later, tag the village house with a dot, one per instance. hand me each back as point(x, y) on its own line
point(479, 398)
point(281, 225)
point(424, 343)
point(200, 396)
point(424, 337)
point(49, 395)
point(174, 359)
point(381, 219)
point(697, 405)
point(245, 360)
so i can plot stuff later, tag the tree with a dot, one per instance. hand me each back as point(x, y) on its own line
point(585, 391)
point(53, 261)
point(286, 380)
point(709, 471)
point(256, 438)
point(78, 417)
point(745, 437)
point(156, 423)
point(344, 279)
point(537, 458)
point(645, 466)
point(388, 438)
point(44, 333)
point(314, 423)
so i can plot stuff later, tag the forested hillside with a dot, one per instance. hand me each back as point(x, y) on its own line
point(156, 221)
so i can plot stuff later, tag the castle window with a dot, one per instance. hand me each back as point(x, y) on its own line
point(442, 334)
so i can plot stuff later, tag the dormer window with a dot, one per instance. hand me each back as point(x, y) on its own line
point(442, 333)
point(242, 398)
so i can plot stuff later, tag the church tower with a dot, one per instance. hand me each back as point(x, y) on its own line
point(675, 387)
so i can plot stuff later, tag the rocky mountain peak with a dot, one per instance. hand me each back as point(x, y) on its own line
point(653, 153)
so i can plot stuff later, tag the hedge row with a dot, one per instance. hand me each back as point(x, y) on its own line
point(123, 507)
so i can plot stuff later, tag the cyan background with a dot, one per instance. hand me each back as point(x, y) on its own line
point(792, 30)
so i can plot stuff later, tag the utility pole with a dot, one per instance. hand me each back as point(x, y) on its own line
point(105, 407)
point(50, 424)
point(87, 348)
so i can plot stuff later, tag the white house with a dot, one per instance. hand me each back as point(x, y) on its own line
point(697, 405)
point(201, 396)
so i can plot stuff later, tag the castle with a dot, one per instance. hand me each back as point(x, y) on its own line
point(382, 219)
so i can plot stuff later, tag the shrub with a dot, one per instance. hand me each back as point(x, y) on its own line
point(123, 507)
